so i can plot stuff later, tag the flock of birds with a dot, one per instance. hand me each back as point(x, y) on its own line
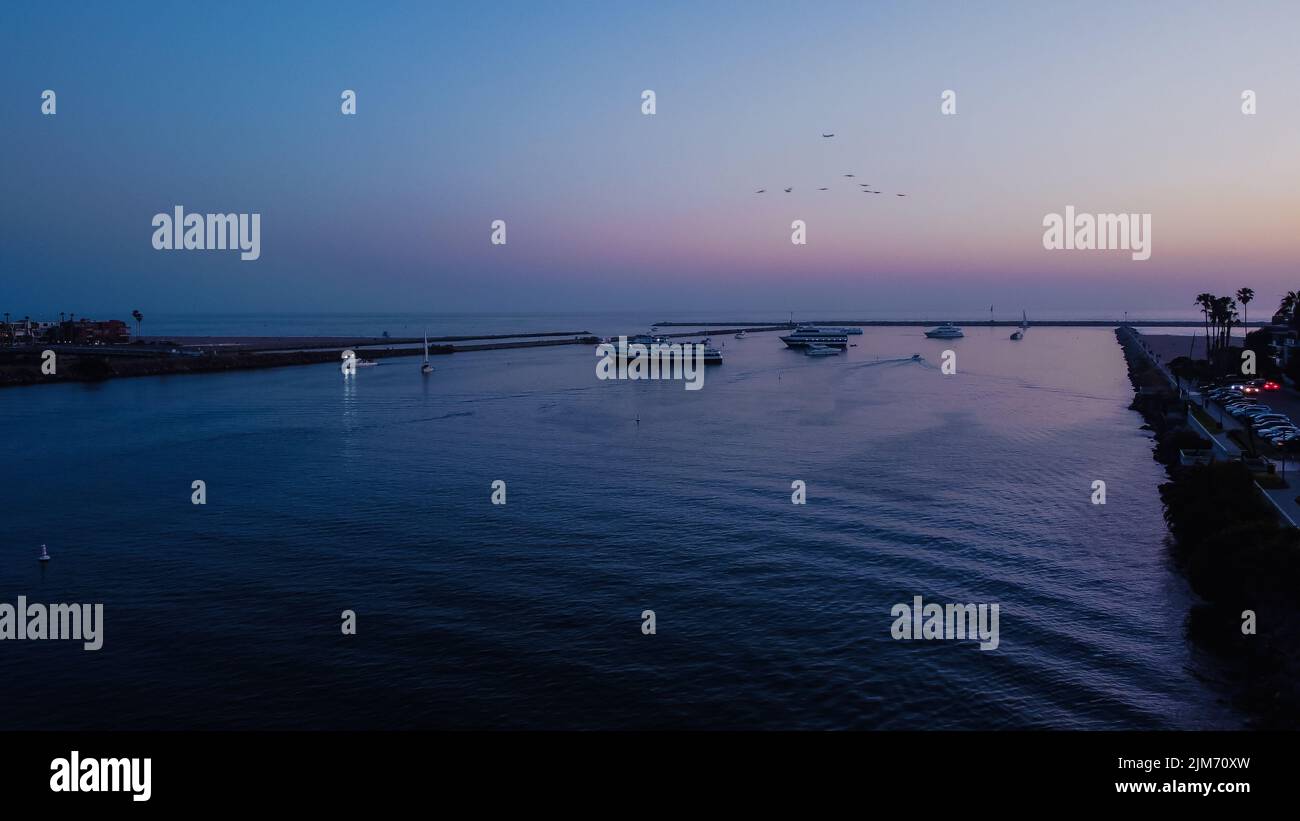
point(865, 187)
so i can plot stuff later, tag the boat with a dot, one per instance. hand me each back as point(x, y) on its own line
point(740, 335)
point(945, 331)
point(805, 335)
point(916, 357)
point(426, 367)
point(45, 555)
point(712, 356)
point(1024, 323)
point(821, 350)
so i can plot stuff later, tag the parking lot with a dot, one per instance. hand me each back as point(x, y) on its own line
point(1284, 401)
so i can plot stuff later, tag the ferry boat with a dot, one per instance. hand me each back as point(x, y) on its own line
point(945, 331)
point(806, 335)
point(712, 356)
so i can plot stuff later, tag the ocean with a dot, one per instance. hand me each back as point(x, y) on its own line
point(373, 494)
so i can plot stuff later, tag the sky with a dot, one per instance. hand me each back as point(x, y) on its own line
point(531, 113)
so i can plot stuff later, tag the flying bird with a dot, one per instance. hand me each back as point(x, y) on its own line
point(788, 190)
point(900, 195)
point(823, 189)
point(760, 191)
point(828, 135)
point(848, 175)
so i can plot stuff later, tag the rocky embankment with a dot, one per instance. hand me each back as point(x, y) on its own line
point(1228, 542)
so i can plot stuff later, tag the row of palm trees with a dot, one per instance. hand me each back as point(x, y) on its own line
point(1221, 314)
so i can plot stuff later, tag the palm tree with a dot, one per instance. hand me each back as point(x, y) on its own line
point(139, 318)
point(1244, 296)
point(1218, 315)
point(1287, 306)
point(1206, 301)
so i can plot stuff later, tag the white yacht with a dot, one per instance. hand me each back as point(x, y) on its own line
point(806, 335)
point(945, 331)
point(740, 335)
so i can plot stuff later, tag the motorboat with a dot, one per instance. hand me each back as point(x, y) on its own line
point(740, 335)
point(945, 331)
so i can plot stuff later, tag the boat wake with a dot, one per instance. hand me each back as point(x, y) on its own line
point(915, 359)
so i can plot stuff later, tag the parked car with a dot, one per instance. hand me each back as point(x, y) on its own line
point(1249, 412)
point(1273, 434)
point(1270, 418)
point(1270, 428)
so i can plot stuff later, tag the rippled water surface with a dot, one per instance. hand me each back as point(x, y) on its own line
point(373, 495)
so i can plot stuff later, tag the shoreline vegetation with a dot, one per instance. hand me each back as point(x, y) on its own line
point(22, 365)
point(1228, 542)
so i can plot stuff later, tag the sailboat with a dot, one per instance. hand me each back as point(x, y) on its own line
point(426, 367)
point(1024, 324)
point(45, 555)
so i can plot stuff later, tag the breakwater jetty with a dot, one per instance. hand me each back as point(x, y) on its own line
point(22, 365)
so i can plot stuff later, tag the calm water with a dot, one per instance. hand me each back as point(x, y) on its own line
point(373, 495)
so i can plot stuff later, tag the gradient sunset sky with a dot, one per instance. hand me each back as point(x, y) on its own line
point(531, 113)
